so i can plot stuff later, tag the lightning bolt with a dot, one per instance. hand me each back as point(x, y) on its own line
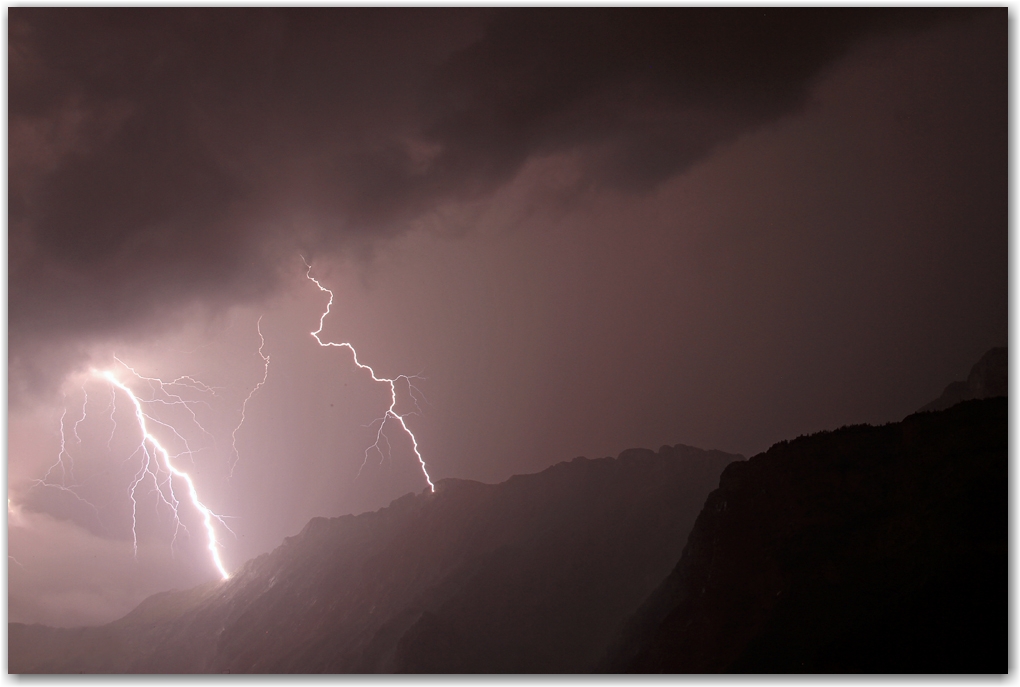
point(149, 469)
point(265, 376)
point(160, 466)
point(66, 468)
point(113, 410)
point(175, 399)
point(157, 463)
point(391, 412)
point(60, 456)
point(84, 405)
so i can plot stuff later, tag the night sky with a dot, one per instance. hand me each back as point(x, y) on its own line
point(586, 230)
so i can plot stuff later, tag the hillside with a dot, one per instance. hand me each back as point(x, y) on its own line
point(535, 574)
point(865, 549)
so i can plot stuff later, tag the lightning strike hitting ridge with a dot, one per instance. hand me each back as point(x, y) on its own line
point(147, 469)
point(162, 472)
point(391, 412)
point(157, 463)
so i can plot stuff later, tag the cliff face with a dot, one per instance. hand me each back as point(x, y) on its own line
point(866, 549)
point(532, 575)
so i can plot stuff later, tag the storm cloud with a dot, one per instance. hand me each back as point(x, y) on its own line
point(165, 158)
point(588, 229)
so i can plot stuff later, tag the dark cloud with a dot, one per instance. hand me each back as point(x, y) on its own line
point(658, 87)
point(160, 158)
point(165, 157)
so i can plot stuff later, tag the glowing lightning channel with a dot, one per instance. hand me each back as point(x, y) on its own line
point(207, 515)
point(84, 405)
point(391, 412)
point(175, 400)
point(113, 410)
point(66, 468)
point(265, 376)
point(156, 461)
point(60, 456)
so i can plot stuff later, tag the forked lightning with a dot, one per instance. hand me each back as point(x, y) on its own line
point(391, 412)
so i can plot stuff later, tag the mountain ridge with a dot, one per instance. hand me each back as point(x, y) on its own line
point(988, 378)
point(857, 550)
point(860, 549)
point(383, 591)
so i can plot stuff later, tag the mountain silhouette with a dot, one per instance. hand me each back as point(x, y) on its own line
point(535, 574)
point(861, 550)
point(867, 549)
point(987, 379)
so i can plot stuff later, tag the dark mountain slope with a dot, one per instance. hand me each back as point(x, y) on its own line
point(866, 549)
point(532, 575)
point(987, 379)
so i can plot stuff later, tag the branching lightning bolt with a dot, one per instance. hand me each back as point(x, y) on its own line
point(265, 376)
point(156, 461)
point(175, 399)
point(66, 468)
point(159, 464)
point(391, 412)
point(148, 469)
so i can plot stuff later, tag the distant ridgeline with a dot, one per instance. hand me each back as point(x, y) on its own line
point(864, 549)
point(987, 379)
point(535, 574)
